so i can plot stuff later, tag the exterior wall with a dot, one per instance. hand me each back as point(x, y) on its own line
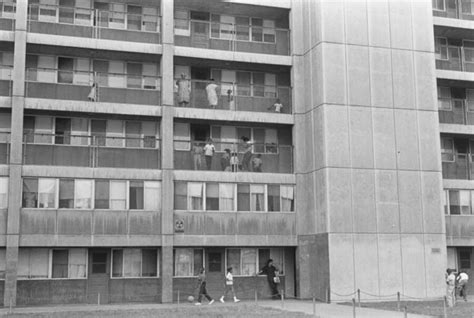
point(375, 164)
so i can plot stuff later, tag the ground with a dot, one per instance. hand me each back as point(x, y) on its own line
point(184, 311)
point(431, 308)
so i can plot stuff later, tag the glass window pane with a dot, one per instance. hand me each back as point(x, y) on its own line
point(77, 262)
point(117, 263)
point(287, 198)
point(465, 197)
point(249, 261)
point(132, 262)
point(102, 196)
point(198, 261)
point(243, 197)
point(30, 193)
point(133, 134)
point(212, 196)
point(47, 193)
point(454, 202)
point(136, 195)
point(257, 197)
point(233, 260)
point(183, 261)
point(152, 195)
point(195, 196)
point(273, 198)
point(226, 196)
point(3, 193)
point(60, 264)
point(118, 195)
point(149, 262)
point(180, 195)
point(83, 194)
point(66, 193)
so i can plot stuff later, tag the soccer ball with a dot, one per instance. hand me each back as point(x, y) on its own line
point(190, 299)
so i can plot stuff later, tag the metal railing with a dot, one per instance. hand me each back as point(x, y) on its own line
point(234, 96)
point(93, 21)
point(461, 112)
point(234, 157)
point(232, 37)
point(456, 9)
point(459, 59)
point(96, 150)
point(6, 80)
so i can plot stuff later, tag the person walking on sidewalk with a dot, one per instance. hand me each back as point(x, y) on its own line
point(202, 288)
point(462, 280)
point(229, 286)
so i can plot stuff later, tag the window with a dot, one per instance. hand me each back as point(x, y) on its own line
point(438, 5)
point(33, 263)
point(195, 196)
point(447, 149)
point(118, 195)
point(470, 99)
point(102, 194)
point(65, 70)
point(441, 48)
point(444, 98)
point(134, 262)
point(180, 195)
point(60, 263)
point(459, 202)
point(212, 196)
point(188, 261)
point(66, 193)
point(63, 131)
point(287, 199)
point(249, 261)
point(46, 193)
point(465, 258)
point(3, 192)
point(152, 195)
point(83, 194)
point(181, 22)
point(30, 193)
point(182, 136)
point(273, 198)
point(226, 197)
point(136, 195)
point(257, 195)
point(2, 263)
point(243, 197)
point(132, 134)
point(444, 201)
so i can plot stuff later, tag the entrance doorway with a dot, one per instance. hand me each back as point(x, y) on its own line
point(98, 276)
point(215, 271)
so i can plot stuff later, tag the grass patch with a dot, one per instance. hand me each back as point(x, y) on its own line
point(185, 311)
point(432, 308)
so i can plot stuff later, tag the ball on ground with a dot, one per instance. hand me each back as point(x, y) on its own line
point(190, 299)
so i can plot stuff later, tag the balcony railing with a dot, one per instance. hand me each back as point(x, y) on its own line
point(456, 9)
point(6, 80)
point(7, 16)
point(233, 157)
point(77, 85)
point(91, 151)
point(460, 168)
point(237, 97)
point(461, 113)
point(459, 59)
point(4, 147)
point(93, 23)
point(232, 37)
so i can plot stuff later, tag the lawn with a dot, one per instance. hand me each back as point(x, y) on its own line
point(185, 311)
point(431, 308)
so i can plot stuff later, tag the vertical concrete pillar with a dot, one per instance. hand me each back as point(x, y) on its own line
point(15, 184)
point(167, 223)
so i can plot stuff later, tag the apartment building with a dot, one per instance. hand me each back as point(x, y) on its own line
point(326, 150)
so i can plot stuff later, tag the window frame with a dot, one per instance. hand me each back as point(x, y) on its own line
point(141, 263)
point(192, 260)
point(435, 7)
point(443, 139)
point(442, 98)
point(257, 250)
point(438, 54)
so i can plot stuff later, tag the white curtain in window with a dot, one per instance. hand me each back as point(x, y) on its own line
point(132, 262)
point(233, 260)
point(286, 193)
point(118, 195)
point(183, 262)
point(152, 195)
point(83, 194)
point(249, 261)
point(226, 196)
point(77, 262)
point(195, 194)
point(257, 197)
point(3, 192)
point(46, 193)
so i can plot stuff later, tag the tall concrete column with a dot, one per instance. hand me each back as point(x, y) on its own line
point(167, 223)
point(15, 184)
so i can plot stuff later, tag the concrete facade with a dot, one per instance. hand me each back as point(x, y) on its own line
point(358, 140)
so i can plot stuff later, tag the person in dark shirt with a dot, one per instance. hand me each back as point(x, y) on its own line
point(202, 288)
point(273, 280)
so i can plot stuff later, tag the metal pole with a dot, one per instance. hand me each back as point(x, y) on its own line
point(358, 296)
point(178, 298)
point(314, 306)
point(282, 299)
point(405, 312)
point(256, 296)
point(98, 299)
point(444, 308)
point(398, 301)
point(353, 308)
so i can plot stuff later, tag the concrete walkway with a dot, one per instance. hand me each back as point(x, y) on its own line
point(333, 310)
point(322, 310)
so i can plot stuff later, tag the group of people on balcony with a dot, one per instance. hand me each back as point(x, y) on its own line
point(184, 92)
point(229, 160)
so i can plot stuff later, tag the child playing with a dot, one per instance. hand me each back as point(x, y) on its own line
point(229, 286)
point(234, 162)
point(277, 105)
point(202, 288)
point(257, 163)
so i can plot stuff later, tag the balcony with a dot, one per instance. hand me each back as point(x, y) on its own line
point(94, 23)
point(7, 16)
point(4, 148)
point(451, 57)
point(460, 112)
point(91, 151)
point(232, 157)
point(455, 9)
point(77, 85)
point(237, 97)
point(6, 80)
point(232, 37)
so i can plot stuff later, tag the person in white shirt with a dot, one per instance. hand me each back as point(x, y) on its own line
point(211, 91)
point(450, 288)
point(277, 105)
point(209, 150)
point(462, 280)
point(229, 286)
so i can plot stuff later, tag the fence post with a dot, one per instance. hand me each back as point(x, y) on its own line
point(358, 296)
point(353, 308)
point(314, 306)
point(10, 310)
point(398, 301)
point(445, 313)
point(98, 299)
point(178, 297)
point(405, 314)
point(282, 299)
point(328, 295)
point(256, 296)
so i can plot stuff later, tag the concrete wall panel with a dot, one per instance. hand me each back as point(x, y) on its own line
point(422, 14)
point(339, 201)
point(401, 33)
point(336, 136)
point(386, 196)
point(332, 21)
point(433, 213)
point(361, 145)
point(341, 264)
point(321, 200)
point(435, 258)
point(407, 136)
point(307, 215)
point(356, 22)
point(403, 79)
point(384, 139)
point(315, 66)
point(334, 73)
point(358, 75)
point(379, 23)
point(381, 76)
point(411, 213)
point(425, 80)
point(390, 264)
point(363, 201)
point(414, 266)
point(430, 155)
point(366, 264)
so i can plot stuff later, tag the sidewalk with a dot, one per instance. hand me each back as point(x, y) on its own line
point(333, 310)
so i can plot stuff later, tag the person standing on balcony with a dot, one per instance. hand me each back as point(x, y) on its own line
point(93, 93)
point(277, 105)
point(197, 155)
point(209, 151)
point(257, 163)
point(225, 160)
point(247, 147)
point(184, 90)
point(230, 99)
point(211, 91)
